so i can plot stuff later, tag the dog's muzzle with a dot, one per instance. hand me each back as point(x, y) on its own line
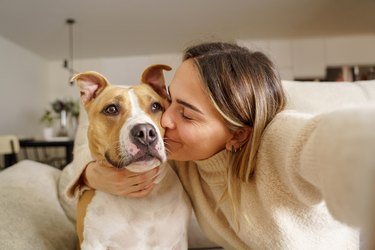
point(143, 148)
point(143, 135)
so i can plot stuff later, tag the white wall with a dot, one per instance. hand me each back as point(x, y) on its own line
point(23, 89)
point(119, 71)
point(30, 84)
point(295, 58)
point(309, 57)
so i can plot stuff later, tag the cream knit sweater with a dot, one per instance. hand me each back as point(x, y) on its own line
point(312, 177)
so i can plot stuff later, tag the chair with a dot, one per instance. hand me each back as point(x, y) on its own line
point(47, 151)
point(9, 148)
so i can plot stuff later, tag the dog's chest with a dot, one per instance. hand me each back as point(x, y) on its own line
point(133, 223)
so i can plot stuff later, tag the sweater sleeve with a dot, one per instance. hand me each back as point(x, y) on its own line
point(328, 157)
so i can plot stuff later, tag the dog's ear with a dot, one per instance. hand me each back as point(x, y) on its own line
point(154, 76)
point(91, 83)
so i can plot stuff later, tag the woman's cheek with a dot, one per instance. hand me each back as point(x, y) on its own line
point(194, 134)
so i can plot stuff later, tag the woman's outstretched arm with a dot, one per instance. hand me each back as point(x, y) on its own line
point(328, 157)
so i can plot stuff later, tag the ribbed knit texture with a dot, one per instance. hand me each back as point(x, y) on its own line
point(284, 206)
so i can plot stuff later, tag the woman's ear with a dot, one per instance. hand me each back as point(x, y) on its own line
point(239, 138)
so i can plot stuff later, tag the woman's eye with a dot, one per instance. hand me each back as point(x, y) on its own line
point(185, 117)
point(156, 107)
point(111, 109)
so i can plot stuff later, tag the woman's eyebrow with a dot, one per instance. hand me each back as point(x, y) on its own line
point(183, 103)
point(188, 105)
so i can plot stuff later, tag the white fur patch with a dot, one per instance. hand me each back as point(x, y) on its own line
point(139, 116)
point(157, 221)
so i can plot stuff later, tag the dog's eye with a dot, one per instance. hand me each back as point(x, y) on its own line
point(111, 109)
point(156, 107)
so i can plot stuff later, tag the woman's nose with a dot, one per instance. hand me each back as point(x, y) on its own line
point(167, 120)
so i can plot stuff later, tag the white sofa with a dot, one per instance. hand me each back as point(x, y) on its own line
point(32, 216)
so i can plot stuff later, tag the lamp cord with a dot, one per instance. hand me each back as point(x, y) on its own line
point(69, 63)
point(71, 48)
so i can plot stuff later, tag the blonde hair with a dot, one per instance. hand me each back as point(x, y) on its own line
point(246, 90)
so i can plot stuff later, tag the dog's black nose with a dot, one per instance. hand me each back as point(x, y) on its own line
point(144, 133)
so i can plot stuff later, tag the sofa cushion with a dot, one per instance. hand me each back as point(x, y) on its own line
point(319, 97)
point(368, 88)
point(30, 209)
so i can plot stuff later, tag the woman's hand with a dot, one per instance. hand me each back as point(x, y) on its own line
point(102, 176)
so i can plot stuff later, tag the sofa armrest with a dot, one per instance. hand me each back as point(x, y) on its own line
point(30, 213)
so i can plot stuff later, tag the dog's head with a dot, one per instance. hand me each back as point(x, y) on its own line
point(124, 121)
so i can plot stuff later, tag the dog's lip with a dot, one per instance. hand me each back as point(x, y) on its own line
point(147, 157)
point(147, 154)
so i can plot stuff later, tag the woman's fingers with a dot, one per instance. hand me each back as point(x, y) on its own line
point(142, 192)
point(140, 178)
point(124, 182)
point(141, 186)
point(103, 176)
point(139, 183)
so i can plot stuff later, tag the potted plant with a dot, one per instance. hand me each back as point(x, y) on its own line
point(48, 121)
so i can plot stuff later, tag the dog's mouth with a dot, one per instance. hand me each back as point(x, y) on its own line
point(146, 157)
point(143, 160)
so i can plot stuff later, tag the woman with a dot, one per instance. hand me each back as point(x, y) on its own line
point(247, 191)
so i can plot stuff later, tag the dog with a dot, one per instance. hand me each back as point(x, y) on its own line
point(124, 130)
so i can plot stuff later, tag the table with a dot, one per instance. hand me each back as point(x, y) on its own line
point(67, 144)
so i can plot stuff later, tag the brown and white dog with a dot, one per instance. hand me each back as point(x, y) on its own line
point(124, 129)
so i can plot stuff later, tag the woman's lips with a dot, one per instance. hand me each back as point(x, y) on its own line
point(168, 141)
point(166, 138)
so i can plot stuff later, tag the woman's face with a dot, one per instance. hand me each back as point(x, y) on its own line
point(194, 128)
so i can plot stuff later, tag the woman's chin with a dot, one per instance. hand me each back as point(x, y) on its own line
point(171, 155)
point(178, 156)
point(175, 156)
point(173, 150)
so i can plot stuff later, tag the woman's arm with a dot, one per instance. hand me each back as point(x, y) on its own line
point(328, 157)
point(104, 177)
point(341, 150)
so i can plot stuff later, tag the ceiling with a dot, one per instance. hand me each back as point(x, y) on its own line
point(110, 28)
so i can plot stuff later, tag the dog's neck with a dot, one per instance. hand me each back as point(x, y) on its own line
point(163, 171)
point(163, 194)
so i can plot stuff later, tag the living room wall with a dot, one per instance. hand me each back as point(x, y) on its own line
point(23, 89)
point(119, 71)
point(309, 57)
point(295, 58)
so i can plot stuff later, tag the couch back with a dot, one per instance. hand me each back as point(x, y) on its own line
point(318, 97)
